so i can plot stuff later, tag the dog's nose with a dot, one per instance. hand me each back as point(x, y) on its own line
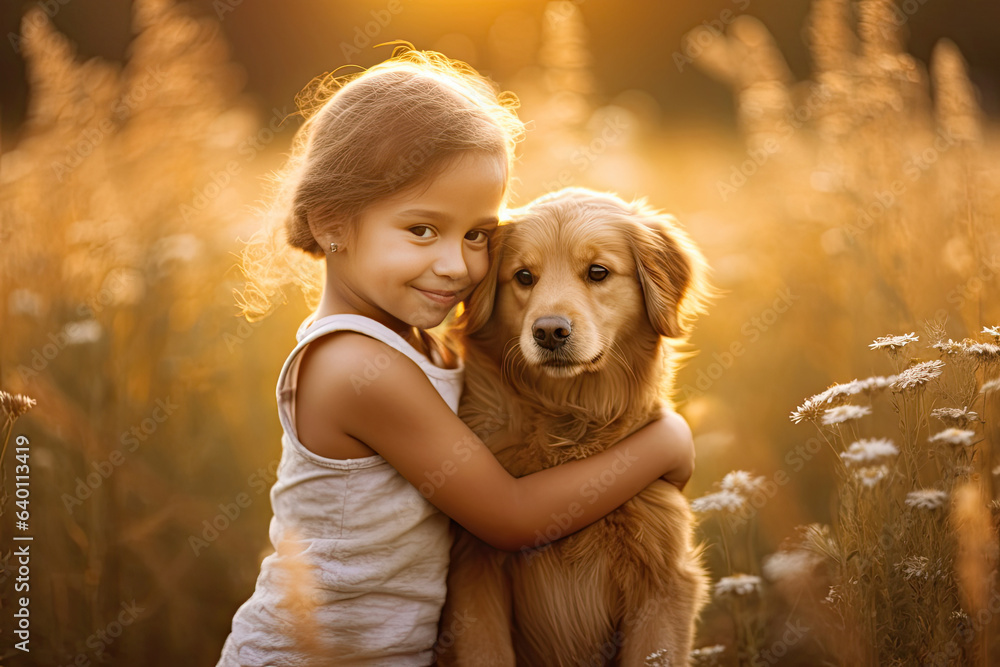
point(551, 331)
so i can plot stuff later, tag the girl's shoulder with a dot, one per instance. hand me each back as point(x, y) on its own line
point(348, 369)
point(435, 358)
point(341, 377)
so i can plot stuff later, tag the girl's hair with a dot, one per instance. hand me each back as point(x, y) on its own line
point(366, 137)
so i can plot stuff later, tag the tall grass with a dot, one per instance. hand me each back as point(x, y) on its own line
point(875, 204)
point(119, 320)
point(872, 209)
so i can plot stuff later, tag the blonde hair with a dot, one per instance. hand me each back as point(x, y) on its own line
point(366, 137)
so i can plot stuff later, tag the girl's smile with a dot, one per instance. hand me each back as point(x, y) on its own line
point(445, 298)
point(417, 254)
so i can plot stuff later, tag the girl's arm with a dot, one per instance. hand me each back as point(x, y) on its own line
point(399, 414)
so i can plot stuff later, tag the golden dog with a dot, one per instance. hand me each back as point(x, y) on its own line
point(566, 353)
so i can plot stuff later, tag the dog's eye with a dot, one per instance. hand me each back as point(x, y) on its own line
point(524, 277)
point(597, 273)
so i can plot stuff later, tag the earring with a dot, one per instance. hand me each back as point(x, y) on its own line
point(334, 247)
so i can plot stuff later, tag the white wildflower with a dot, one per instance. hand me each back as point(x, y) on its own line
point(707, 656)
point(24, 302)
point(813, 407)
point(871, 475)
point(795, 563)
point(811, 410)
point(875, 383)
point(742, 482)
point(958, 437)
point(720, 501)
point(658, 658)
point(843, 390)
point(955, 416)
point(893, 343)
point(992, 331)
point(949, 347)
point(914, 567)
point(928, 499)
point(737, 585)
point(82, 332)
point(843, 413)
point(990, 387)
point(918, 375)
point(181, 248)
point(870, 450)
point(983, 351)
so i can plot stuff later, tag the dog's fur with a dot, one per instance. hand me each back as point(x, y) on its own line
point(631, 583)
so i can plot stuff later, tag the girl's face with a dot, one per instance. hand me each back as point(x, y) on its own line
point(418, 253)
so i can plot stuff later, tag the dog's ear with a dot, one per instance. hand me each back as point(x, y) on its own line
point(666, 264)
point(478, 306)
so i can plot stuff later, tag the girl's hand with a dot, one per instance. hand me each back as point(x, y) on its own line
point(679, 444)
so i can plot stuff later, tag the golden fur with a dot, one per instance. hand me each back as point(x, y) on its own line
point(631, 583)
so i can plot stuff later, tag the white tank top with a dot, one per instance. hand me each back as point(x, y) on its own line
point(376, 551)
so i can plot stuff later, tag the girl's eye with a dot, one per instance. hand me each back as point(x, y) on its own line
point(477, 235)
point(524, 277)
point(597, 273)
point(420, 230)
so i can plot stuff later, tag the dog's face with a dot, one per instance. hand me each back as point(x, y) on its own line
point(575, 274)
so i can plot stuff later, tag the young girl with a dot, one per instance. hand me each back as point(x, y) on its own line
point(398, 180)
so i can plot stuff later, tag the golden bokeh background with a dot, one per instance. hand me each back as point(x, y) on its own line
point(841, 187)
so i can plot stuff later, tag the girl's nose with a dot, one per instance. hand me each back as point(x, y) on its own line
point(450, 262)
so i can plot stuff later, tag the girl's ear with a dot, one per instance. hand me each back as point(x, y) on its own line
point(665, 262)
point(478, 306)
point(323, 229)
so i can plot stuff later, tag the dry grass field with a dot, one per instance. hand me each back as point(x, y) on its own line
point(844, 390)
